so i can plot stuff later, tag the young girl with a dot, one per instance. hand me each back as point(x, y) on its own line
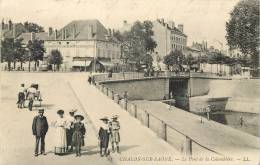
point(78, 134)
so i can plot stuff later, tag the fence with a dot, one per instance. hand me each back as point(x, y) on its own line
point(179, 140)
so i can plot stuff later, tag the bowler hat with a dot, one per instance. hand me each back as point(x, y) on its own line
point(79, 116)
point(60, 112)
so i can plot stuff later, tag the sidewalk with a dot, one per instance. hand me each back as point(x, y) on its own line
point(136, 139)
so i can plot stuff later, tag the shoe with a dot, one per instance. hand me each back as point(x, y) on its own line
point(43, 153)
point(101, 155)
point(35, 155)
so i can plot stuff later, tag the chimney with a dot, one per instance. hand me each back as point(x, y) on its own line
point(125, 22)
point(55, 34)
point(91, 35)
point(2, 25)
point(10, 25)
point(50, 31)
point(32, 36)
point(180, 27)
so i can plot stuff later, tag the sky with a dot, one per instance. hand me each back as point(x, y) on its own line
point(202, 19)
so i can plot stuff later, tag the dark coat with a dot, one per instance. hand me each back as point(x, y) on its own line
point(79, 131)
point(40, 126)
point(103, 137)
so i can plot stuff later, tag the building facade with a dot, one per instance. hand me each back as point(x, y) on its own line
point(83, 41)
point(168, 37)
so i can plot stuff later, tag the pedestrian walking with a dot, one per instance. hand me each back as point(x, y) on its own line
point(39, 129)
point(79, 131)
point(69, 129)
point(89, 79)
point(115, 136)
point(21, 96)
point(103, 135)
point(31, 92)
point(61, 138)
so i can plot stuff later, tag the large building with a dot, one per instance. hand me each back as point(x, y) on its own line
point(82, 41)
point(11, 30)
point(168, 37)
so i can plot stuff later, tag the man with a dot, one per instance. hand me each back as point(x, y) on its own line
point(31, 92)
point(115, 136)
point(39, 129)
point(21, 96)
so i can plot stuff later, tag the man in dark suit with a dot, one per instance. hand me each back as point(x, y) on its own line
point(39, 129)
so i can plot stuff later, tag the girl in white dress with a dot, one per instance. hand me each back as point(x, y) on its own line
point(61, 141)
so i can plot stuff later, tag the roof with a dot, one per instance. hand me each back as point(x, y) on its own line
point(177, 31)
point(38, 36)
point(17, 29)
point(82, 30)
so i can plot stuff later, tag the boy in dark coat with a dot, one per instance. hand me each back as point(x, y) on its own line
point(103, 135)
point(79, 131)
point(39, 129)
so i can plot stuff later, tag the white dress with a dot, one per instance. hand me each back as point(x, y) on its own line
point(61, 138)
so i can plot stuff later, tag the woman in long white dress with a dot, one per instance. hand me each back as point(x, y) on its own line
point(61, 141)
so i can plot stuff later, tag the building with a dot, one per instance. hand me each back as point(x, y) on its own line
point(83, 41)
point(168, 37)
point(11, 30)
point(32, 36)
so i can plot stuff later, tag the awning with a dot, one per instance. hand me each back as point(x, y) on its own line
point(81, 63)
point(105, 63)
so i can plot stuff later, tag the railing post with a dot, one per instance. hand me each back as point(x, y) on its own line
point(188, 146)
point(125, 100)
point(116, 98)
point(147, 119)
point(107, 91)
point(164, 131)
point(102, 88)
point(112, 95)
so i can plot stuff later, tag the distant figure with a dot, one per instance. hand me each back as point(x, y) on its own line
point(69, 130)
point(39, 129)
point(115, 136)
point(164, 97)
point(241, 121)
point(79, 131)
point(89, 80)
point(31, 92)
point(21, 96)
point(103, 135)
point(61, 142)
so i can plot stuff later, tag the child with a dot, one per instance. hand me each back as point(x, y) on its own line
point(78, 134)
point(103, 136)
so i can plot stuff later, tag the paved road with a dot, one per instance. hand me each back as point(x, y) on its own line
point(17, 142)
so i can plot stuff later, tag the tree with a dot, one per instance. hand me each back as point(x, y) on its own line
point(20, 53)
point(189, 60)
point(138, 44)
point(36, 50)
point(7, 51)
point(173, 58)
point(55, 58)
point(33, 27)
point(243, 30)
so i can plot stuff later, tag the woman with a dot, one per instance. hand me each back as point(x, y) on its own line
point(78, 134)
point(60, 125)
point(69, 130)
point(103, 135)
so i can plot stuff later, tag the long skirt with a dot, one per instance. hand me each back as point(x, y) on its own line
point(115, 136)
point(61, 141)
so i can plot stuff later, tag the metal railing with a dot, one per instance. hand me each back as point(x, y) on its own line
point(178, 139)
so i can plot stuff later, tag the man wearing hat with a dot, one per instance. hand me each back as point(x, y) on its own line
point(103, 136)
point(21, 96)
point(39, 128)
point(115, 136)
point(69, 130)
point(79, 131)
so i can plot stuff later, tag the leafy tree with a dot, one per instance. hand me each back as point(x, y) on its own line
point(7, 51)
point(138, 44)
point(33, 27)
point(189, 60)
point(36, 50)
point(20, 53)
point(173, 58)
point(243, 30)
point(55, 58)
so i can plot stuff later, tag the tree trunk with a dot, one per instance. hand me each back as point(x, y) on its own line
point(14, 65)
point(29, 65)
point(21, 65)
point(35, 65)
point(9, 65)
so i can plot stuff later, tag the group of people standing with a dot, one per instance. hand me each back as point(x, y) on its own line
point(69, 131)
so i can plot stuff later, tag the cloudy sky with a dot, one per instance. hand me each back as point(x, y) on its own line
point(202, 19)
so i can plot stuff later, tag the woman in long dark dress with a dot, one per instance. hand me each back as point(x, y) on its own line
point(79, 131)
point(103, 135)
